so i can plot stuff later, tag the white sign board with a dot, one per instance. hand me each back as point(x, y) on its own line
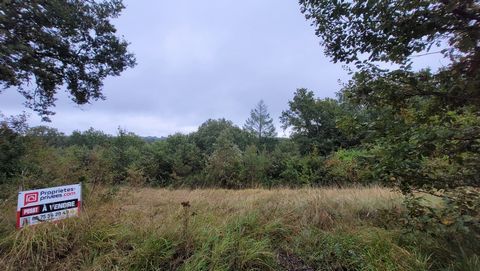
point(48, 204)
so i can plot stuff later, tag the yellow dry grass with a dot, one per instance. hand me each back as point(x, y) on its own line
point(320, 206)
point(123, 227)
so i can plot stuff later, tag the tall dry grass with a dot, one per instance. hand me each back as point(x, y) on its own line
point(301, 206)
point(252, 229)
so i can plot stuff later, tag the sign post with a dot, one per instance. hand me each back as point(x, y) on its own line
point(48, 204)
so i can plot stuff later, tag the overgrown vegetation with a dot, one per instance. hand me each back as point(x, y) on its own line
point(416, 131)
point(250, 229)
point(219, 154)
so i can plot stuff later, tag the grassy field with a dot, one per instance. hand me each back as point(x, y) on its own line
point(215, 229)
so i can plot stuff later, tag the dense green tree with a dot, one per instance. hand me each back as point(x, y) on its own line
point(430, 120)
point(313, 122)
point(89, 138)
point(254, 167)
point(425, 115)
point(51, 136)
point(224, 164)
point(186, 157)
point(55, 43)
point(126, 151)
point(12, 146)
point(423, 145)
point(302, 170)
point(260, 124)
point(208, 133)
point(393, 30)
point(285, 149)
point(157, 164)
point(396, 30)
point(99, 169)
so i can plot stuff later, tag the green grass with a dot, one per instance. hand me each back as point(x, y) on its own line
point(363, 249)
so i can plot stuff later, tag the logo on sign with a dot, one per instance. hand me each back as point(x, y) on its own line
point(31, 197)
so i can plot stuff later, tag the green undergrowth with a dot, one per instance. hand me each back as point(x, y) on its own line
point(362, 249)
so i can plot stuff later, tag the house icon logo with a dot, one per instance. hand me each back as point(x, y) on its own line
point(31, 198)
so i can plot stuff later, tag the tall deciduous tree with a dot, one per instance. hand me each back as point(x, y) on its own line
point(260, 123)
point(209, 132)
point(365, 32)
point(313, 122)
point(55, 43)
point(430, 120)
point(434, 114)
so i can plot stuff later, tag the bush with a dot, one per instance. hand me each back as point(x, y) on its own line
point(224, 165)
point(347, 167)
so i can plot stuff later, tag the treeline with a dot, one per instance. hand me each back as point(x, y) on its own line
point(218, 154)
point(333, 142)
point(348, 140)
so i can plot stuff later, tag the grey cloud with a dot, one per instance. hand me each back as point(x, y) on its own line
point(200, 60)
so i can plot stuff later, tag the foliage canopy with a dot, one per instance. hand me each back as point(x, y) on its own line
point(45, 45)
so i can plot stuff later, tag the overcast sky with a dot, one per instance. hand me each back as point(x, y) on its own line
point(199, 60)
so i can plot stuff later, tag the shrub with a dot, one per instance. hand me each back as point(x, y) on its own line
point(347, 167)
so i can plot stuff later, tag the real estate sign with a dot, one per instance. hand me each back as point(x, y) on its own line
point(48, 204)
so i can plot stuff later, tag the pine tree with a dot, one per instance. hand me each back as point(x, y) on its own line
point(260, 123)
